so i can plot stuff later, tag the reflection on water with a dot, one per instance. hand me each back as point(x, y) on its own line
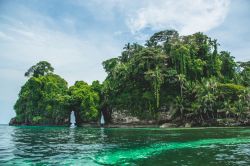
point(102, 134)
point(98, 146)
point(72, 135)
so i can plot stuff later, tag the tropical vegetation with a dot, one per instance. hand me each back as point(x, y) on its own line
point(188, 77)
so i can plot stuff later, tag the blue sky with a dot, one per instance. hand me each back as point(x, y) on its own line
point(75, 36)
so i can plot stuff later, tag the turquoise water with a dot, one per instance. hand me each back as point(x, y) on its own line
point(121, 146)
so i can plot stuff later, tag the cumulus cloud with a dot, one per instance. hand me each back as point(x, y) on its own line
point(139, 16)
point(183, 15)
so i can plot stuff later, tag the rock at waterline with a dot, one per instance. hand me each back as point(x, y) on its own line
point(168, 125)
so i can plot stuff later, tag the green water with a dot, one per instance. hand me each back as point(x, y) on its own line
point(134, 146)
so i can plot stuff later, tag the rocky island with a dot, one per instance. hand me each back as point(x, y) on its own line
point(171, 81)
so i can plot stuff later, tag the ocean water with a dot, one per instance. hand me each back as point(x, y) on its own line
point(123, 146)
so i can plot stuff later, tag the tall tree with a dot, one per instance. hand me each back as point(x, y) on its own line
point(40, 69)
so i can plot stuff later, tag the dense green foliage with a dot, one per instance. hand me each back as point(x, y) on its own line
point(46, 99)
point(43, 100)
point(186, 73)
point(185, 76)
point(84, 100)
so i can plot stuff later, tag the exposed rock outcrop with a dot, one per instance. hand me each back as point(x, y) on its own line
point(168, 125)
point(13, 122)
point(122, 117)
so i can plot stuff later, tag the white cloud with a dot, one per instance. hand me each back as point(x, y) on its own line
point(184, 15)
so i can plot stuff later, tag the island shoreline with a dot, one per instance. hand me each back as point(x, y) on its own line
point(133, 125)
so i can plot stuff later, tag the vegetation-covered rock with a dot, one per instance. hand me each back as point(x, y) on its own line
point(45, 99)
point(42, 100)
point(184, 75)
point(177, 79)
point(84, 100)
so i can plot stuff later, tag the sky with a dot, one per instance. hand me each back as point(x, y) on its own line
point(76, 36)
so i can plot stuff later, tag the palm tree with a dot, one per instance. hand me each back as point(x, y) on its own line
point(181, 79)
point(156, 78)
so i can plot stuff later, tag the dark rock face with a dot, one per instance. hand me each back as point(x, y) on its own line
point(164, 117)
point(164, 120)
point(13, 122)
